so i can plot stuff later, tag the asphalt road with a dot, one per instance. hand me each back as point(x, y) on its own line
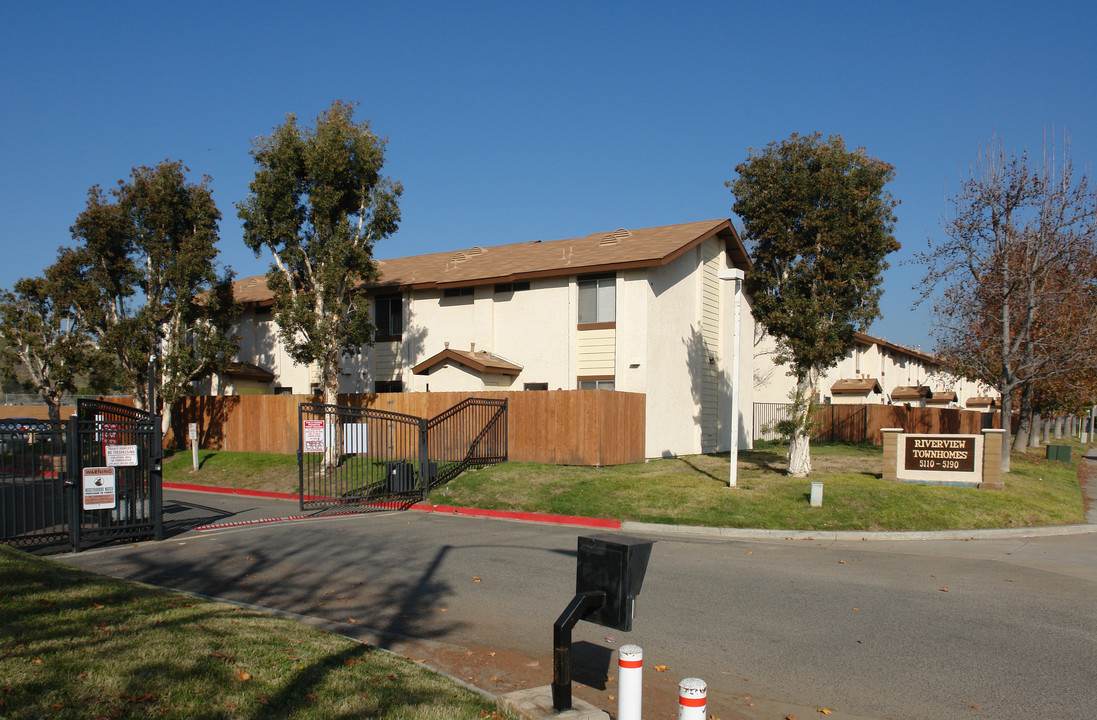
point(927, 629)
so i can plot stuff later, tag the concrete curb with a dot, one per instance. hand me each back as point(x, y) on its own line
point(856, 535)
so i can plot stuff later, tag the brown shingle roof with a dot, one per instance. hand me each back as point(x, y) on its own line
point(598, 252)
point(982, 402)
point(911, 392)
point(481, 362)
point(248, 371)
point(855, 386)
point(942, 397)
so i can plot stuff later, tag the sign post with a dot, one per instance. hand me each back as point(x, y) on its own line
point(736, 276)
point(192, 432)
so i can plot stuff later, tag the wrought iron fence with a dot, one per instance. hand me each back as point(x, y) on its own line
point(361, 458)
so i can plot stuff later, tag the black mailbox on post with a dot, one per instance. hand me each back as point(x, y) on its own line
point(615, 565)
point(608, 576)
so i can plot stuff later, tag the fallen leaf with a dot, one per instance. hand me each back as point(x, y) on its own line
point(612, 697)
point(97, 606)
point(443, 609)
point(242, 676)
point(824, 711)
point(790, 717)
point(944, 589)
point(661, 668)
point(856, 609)
point(841, 562)
point(351, 661)
point(262, 700)
point(494, 678)
point(491, 654)
point(476, 579)
point(750, 552)
point(352, 621)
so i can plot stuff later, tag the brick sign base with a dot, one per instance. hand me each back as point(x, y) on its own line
point(963, 460)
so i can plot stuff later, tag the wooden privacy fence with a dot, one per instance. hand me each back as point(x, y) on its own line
point(863, 423)
point(561, 427)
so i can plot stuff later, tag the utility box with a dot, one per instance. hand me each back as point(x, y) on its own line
point(1058, 452)
point(615, 565)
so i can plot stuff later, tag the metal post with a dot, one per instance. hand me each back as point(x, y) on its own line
point(581, 605)
point(630, 662)
point(424, 458)
point(74, 481)
point(736, 276)
point(692, 699)
point(156, 478)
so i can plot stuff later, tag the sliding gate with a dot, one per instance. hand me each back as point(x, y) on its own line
point(361, 458)
point(92, 479)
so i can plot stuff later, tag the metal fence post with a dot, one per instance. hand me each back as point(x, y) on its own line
point(424, 458)
point(156, 477)
point(74, 481)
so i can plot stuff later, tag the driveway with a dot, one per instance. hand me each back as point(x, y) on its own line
point(1002, 628)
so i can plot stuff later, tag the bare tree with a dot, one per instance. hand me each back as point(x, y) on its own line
point(1017, 247)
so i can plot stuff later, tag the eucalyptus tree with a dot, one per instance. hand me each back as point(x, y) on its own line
point(319, 203)
point(819, 224)
point(146, 283)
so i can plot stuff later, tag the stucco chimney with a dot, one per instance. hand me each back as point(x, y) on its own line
point(473, 346)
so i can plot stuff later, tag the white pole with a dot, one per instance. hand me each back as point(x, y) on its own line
point(692, 699)
point(736, 276)
point(630, 662)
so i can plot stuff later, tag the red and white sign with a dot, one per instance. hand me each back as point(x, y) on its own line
point(312, 436)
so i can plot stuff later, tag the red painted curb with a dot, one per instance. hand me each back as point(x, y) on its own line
point(423, 507)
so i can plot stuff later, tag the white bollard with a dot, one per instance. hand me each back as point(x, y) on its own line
point(630, 690)
point(692, 702)
point(817, 494)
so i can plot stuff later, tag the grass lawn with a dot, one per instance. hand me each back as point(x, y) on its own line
point(78, 645)
point(693, 490)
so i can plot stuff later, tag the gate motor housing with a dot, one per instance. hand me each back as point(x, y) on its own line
point(609, 573)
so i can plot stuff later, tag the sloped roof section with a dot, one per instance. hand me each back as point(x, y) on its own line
point(630, 248)
point(856, 386)
point(942, 397)
point(479, 361)
point(248, 371)
point(982, 402)
point(911, 392)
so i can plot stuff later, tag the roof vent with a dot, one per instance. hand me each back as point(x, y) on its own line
point(476, 251)
point(459, 258)
point(252, 282)
point(614, 237)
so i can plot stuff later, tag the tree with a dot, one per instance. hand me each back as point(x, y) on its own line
point(1013, 277)
point(820, 224)
point(145, 281)
point(319, 203)
point(42, 335)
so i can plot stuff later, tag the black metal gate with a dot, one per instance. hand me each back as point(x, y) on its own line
point(93, 479)
point(375, 459)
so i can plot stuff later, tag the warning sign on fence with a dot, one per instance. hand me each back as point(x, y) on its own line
point(99, 488)
point(312, 435)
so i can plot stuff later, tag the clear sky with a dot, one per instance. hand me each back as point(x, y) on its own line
point(515, 121)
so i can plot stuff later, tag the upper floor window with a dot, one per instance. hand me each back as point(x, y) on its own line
point(453, 292)
point(511, 287)
point(597, 299)
point(389, 316)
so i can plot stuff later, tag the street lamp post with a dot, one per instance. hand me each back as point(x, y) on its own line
point(736, 276)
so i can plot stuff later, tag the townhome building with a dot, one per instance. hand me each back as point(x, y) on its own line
point(635, 310)
point(875, 371)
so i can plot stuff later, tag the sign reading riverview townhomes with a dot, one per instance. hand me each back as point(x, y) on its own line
point(963, 460)
point(949, 453)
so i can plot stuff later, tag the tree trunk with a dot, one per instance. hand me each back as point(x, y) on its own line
point(1034, 431)
point(1059, 427)
point(1024, 427)
point(329, 382)
point(165, 418)
point(799, 447)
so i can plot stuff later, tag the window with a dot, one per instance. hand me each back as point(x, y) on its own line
point(596, 384)
point(536, 386)
point(597, 299)
point(457, 292)
point(511, 287)
point(388, 386)
point(389, 312)
point(283, 391)
point(264, 312)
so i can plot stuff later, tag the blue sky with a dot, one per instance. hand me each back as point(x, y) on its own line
point(510, 122)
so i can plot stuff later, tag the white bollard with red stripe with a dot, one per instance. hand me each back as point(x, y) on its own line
point(692, 699)
point(630, 690)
